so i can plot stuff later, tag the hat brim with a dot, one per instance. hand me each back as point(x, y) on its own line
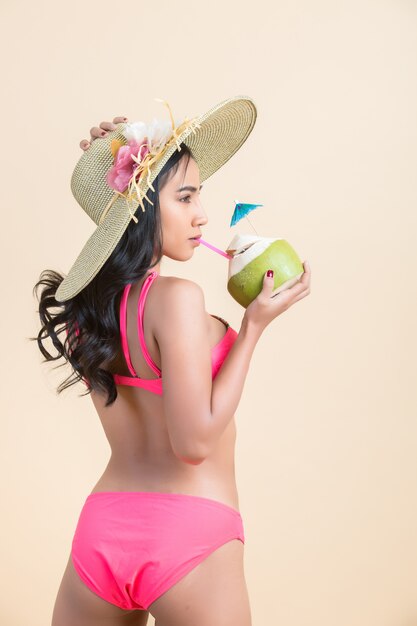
point(223, 130)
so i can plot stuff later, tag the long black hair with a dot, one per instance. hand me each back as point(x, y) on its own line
point(90, 320)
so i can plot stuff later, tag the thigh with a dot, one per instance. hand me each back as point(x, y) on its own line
point(77, 605)
point(214, 592)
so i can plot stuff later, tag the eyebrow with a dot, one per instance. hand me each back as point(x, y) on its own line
point(188, 188)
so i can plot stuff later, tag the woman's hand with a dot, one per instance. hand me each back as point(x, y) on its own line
point(100, 131)
point(269, 304)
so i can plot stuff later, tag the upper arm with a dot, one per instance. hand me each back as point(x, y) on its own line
point(183, 339)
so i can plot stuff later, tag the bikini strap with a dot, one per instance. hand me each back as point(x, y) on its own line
point(141, 304)
point(123, 328)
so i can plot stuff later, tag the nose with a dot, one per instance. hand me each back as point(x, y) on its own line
point(200, 216)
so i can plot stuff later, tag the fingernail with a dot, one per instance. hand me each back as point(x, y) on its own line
point(270, 273)
point(103, 132)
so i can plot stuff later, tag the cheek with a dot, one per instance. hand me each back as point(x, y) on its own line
point(176, 219)
point(175, 222)
point(170, 214)
point(173, 229)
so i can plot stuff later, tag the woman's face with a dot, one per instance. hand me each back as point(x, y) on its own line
point(182, 213)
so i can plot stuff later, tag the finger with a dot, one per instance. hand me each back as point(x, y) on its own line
point(302, 295)
point(304, 281)
point(284, 296)
point(307, 271)
point(107, 125)
point(101, 131)
point(95, 132)
point(277, 292)
point(290, 292)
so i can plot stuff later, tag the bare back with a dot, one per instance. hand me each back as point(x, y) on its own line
point(142, 458)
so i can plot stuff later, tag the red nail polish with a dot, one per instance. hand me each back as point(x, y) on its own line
point(270, 273)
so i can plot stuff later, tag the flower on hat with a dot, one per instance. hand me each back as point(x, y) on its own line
point(146, 145)
point(141, 139)
point(156, 133)
point(124, 166)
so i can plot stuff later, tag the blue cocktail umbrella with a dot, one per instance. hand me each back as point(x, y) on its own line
point(241, 210)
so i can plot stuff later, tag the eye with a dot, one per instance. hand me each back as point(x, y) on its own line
point(184, 198)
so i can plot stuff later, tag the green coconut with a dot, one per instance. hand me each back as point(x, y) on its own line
point(252, 257)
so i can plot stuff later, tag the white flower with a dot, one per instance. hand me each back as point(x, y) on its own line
point(136, 131)
point(157, 132)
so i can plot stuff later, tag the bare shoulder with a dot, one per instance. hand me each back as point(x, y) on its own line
point(173, 296)
point(173, 287)
point(170, 290)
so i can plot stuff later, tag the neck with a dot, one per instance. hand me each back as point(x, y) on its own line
point(156, 268)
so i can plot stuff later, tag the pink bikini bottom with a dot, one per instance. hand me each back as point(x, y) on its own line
point(129, 547)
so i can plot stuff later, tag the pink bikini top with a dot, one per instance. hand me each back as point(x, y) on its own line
point(218, 353)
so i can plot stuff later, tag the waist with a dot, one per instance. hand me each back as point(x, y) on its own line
point(205, 483)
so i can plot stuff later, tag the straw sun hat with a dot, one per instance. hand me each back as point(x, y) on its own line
point(112, 177)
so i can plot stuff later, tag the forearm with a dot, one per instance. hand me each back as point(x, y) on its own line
point(228, 384)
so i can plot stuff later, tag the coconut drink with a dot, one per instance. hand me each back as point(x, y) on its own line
point(251, 256)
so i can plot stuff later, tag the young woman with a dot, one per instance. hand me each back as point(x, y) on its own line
point(160, 531)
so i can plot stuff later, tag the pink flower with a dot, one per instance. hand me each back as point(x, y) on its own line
point(119, 175)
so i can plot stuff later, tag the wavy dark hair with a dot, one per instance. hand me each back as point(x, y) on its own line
point(90, 320)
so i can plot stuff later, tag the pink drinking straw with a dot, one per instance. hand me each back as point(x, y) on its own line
point(209, 245)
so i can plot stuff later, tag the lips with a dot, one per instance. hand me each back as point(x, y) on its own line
point(198, 237)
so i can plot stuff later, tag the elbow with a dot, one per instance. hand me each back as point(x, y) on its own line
point(192, 457)
point(192, 460)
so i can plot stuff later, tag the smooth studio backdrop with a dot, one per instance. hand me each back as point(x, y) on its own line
point(327, 425)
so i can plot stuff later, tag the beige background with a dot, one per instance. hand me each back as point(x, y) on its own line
point(327, 425)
